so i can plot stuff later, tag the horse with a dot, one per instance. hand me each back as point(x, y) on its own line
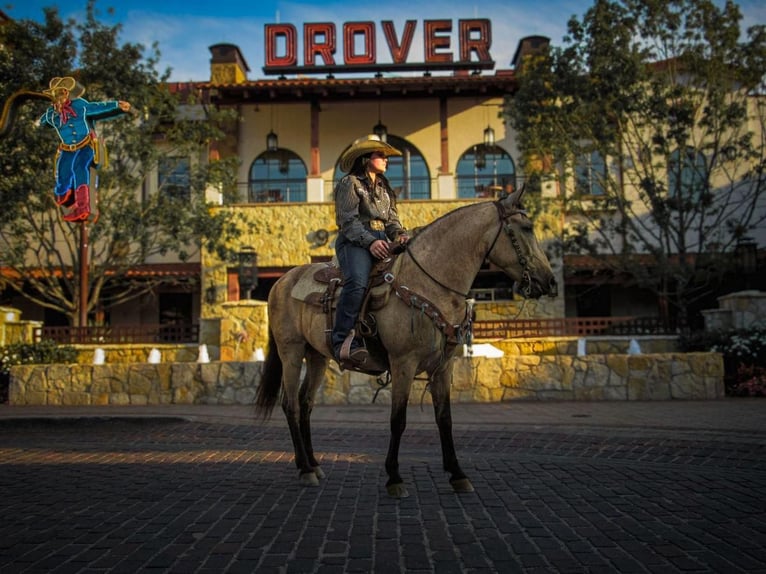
point(419, 328)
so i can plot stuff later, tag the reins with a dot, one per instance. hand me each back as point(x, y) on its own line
point(502, 216)
point(432, 278)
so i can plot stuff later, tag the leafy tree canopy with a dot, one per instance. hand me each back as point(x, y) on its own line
point(653, 112)
point(41, 249)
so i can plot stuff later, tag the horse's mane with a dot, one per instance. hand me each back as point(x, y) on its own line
point(428, 227)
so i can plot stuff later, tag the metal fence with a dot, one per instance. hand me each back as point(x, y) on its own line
point(510, 329)
point(120, 334)
point(572, 327)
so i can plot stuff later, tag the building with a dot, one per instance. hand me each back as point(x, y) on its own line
point(297, 116)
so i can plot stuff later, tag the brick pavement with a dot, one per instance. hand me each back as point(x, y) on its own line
point(581, 488)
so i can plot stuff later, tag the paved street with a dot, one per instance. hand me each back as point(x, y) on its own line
point(559, 487)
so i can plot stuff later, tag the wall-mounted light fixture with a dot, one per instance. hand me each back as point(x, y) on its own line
point(211, 294)
point(248, 271)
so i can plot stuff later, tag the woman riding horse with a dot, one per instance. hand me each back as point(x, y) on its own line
point(365, 213)
point(419, 328)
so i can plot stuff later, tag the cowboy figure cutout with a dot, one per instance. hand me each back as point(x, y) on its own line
point(73, 118)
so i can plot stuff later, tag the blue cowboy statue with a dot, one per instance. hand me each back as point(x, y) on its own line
point(73, 118)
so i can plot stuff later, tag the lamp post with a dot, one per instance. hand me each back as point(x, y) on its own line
point(84, 287)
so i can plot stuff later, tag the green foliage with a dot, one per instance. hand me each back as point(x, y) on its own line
point(663, 93)
point(132, 226)
point(43, 353)
point(744, 356)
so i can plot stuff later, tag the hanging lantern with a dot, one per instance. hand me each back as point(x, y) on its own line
point(489, 137)
point(272, 143)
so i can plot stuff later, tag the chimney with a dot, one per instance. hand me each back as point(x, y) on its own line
point(528, 46)
point(227, 66)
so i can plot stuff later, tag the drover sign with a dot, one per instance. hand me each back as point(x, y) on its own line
point(359, 47)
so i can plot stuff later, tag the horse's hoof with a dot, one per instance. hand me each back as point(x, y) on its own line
point(461, 485)
point(309, 479)
point(397, 490)
point(319, 472)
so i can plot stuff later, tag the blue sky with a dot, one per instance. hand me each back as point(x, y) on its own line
point(185, 29)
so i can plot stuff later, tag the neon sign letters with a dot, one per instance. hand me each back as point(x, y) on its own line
point(320, 42)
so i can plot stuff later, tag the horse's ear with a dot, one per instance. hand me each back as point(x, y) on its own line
point(513, 199)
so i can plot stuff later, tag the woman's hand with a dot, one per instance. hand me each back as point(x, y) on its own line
point(379, 249)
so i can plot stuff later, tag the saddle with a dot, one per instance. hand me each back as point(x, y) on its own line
point(321, 284)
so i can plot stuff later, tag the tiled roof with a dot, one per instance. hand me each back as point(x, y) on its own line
point(305, 88)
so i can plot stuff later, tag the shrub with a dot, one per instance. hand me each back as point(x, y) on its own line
point(744, 357)
point(42, 353)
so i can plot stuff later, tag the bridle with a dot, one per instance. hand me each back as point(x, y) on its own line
point(504, 215)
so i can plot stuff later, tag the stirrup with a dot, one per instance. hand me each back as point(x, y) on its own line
point(356, 357)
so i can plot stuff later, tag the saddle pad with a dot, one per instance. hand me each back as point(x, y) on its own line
point(307, 284)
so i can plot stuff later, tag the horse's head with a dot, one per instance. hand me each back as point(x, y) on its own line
point(517, 251)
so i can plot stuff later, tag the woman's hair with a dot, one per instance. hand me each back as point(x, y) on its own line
point(359, 168)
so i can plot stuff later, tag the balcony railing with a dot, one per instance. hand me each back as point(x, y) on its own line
point(120, 334)
point(572, 327)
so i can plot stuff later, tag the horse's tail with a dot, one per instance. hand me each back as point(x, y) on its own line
point(271, 381)
point(11, 106)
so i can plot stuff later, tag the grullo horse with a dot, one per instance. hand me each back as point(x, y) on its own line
point(418, 329)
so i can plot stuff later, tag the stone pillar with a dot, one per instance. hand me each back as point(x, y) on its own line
point(445, 188)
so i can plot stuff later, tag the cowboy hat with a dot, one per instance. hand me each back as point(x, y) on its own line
point(363, 146)
point(66, 83)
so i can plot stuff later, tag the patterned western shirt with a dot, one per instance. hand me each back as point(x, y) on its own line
point(358, 201)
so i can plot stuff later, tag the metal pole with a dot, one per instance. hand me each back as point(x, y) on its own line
point(83, 276)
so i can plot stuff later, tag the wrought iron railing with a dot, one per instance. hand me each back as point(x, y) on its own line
point(572, 327)
point(120, 334)
point(510, 329)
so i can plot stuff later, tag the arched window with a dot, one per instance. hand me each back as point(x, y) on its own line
point(407, 174)
point(277, 176)
point(687, 175)
point(483, 170)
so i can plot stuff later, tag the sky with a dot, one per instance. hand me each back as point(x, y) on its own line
point(185, 29)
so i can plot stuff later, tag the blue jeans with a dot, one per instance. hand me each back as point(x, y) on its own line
point(355, 263)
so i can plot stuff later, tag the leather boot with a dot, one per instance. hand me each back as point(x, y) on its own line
point(81, 208)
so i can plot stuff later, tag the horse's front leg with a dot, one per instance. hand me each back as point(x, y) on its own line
point(291, 407)
point(400, 393)
point(441, 381)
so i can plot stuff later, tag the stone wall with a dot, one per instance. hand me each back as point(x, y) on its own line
point(476, 379)
point(740, 310)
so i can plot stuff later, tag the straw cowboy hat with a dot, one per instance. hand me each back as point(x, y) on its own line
point(363, 146)
point(66, 83)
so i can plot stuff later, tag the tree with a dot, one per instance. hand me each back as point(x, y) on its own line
point(653, 113)
point(41, 249)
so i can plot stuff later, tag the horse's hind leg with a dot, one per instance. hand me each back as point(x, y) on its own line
point(316, 364)
point(440, 392)
point(292, 360)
